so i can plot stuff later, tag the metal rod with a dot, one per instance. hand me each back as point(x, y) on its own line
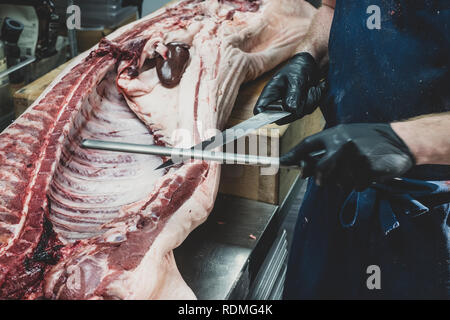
point(185, 154)
point(20, 65)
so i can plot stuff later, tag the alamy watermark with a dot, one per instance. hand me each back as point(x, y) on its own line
point(374, 19)
point(374, 280)
point(73, 17)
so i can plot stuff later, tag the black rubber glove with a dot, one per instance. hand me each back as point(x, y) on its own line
point(356, 155)
point(297, 86)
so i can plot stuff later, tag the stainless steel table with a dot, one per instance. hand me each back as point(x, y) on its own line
point(238, 249)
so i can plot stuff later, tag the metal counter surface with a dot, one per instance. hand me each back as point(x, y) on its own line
point(220, 258)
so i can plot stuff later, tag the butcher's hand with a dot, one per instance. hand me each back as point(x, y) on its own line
point(356, 155)
point(297, 86)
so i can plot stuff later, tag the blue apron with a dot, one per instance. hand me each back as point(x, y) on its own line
point(402, 227)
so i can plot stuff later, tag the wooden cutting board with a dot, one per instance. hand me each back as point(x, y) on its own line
point(246, 181)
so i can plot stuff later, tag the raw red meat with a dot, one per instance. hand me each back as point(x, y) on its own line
point(84, 224)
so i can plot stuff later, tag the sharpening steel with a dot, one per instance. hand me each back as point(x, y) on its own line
point(185, 154)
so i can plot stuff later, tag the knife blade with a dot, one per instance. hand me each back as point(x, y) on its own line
point(236, 132)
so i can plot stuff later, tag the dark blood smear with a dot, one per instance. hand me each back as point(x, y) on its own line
point(170, 70)
point(26, 278)
point(131, 52)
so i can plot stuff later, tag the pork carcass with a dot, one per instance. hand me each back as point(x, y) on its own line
point(85, 224)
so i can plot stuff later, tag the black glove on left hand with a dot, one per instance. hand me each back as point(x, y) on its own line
point(357, 155)
point(297, 86)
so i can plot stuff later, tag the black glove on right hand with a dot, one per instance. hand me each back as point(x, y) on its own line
point(297, 86)
point(356, 155)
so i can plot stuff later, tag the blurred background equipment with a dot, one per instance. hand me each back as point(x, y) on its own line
point(99, 18)
point(39, 18)
point(41, 43)
point(149, 6)
point(134, 3)
point(49, 25)
point(11, 31)
point(99, 13)
point(6, 110)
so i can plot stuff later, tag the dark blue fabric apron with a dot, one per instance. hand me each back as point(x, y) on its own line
point(397, 72)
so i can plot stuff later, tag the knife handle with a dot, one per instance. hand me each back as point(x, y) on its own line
point(317, 155)
point(275, 106)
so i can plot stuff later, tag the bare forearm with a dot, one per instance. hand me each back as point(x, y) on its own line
point(316, 39)
point(427, 137)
